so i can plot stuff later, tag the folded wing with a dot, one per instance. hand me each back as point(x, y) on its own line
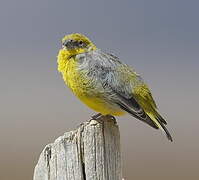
point(127, 89)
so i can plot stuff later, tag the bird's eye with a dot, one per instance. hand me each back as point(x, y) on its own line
point(80, 42)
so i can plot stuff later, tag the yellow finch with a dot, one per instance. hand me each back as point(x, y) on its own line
point(104, 83)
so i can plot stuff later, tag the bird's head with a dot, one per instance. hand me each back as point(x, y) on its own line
point(76, 44)
point(73, 44)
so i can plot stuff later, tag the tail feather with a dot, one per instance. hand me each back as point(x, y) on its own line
point(166, 131)
point(160, 118)
point(160, 122)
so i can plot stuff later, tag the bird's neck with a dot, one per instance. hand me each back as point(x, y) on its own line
point(65, 55)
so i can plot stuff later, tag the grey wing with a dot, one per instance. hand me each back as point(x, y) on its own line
point(115, 79)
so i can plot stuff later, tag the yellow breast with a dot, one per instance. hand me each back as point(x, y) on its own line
point(68, 68)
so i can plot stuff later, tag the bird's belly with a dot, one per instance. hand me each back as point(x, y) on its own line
point(88, 92)
point(100, 105)
point(97, 101)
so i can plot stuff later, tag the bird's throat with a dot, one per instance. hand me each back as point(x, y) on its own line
point(62, 59)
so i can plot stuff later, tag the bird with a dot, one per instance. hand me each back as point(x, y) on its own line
point(106, 84)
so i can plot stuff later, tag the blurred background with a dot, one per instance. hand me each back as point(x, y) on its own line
point(159, 38)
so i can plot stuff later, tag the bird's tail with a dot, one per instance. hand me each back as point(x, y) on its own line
point(160, 122)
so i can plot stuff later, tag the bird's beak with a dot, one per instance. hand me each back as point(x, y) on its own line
point(68, 44)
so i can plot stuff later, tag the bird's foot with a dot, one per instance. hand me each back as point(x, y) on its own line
point(96, 116)
point(111, 117)
point(99, 116)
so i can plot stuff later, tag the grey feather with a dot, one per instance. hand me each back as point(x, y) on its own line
point(110, 78)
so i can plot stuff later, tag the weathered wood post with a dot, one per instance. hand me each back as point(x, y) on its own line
point(91, 152)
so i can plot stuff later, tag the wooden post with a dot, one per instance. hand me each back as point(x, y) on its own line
point(91, 152)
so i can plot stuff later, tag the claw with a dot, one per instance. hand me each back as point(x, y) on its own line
point(111, 117)
point(96, 116)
